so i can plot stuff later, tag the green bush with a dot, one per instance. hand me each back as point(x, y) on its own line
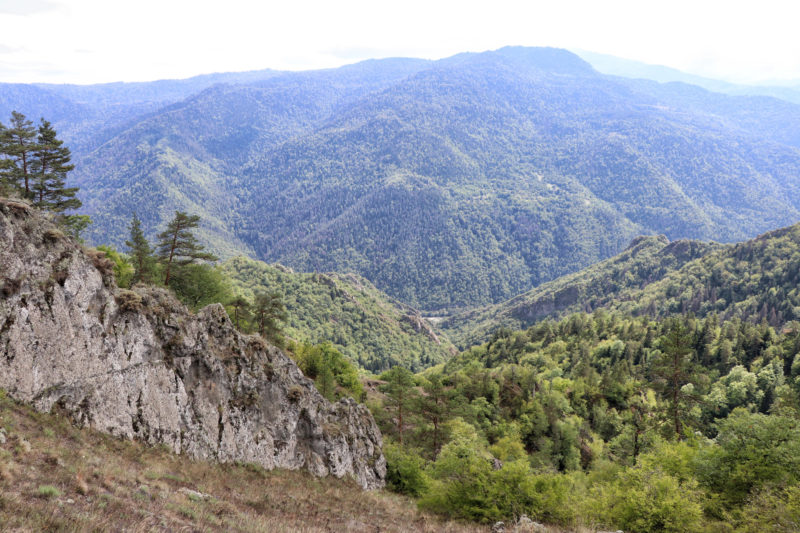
point(405, 471)
point(647, 499)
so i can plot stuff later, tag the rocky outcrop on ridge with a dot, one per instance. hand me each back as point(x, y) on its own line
point(136, 364)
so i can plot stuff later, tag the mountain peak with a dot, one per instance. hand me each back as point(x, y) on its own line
point(556, 60)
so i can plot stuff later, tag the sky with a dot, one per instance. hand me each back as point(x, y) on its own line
point(93, 41)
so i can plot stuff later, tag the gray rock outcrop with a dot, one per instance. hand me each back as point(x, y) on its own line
point(136, 364)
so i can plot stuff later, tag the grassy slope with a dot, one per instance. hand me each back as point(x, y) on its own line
point(363, 323)
point(108, 484)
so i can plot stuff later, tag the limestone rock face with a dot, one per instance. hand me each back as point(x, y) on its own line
point(137, 364)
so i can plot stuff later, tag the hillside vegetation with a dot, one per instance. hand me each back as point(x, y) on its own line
point(608, 421)
point(605, 284)
point(346, 310)
point(755, 280)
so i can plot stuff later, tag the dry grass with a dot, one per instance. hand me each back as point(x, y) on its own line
point(55, 477)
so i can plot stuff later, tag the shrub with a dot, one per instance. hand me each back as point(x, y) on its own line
point(404, 471)
point(53, 234)
point(128, 300)
point(645, 499)
point(295, 393)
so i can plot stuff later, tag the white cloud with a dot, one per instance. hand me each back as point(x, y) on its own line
point(98, 40)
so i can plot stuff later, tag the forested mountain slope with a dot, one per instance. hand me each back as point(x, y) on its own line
point(345, 309)
point(605, 284)
point(756, 280)
point(451, 183)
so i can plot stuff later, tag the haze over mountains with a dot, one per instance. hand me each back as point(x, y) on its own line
point(447, 184)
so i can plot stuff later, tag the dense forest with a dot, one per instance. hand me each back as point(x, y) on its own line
point(606, 420)
point(447, 184)
point(754, 280)
point(361, 322)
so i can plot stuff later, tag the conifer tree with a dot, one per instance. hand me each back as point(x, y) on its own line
point(19, 144)
point(269, 310)
point(674, 369)
point(241, 311)
point(400, 395)
point(177, 246)
point(48, 169)
point(141, 253)
point(7, 183)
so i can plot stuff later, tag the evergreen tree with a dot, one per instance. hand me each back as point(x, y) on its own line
point(141, 253)
point(674, 369)
point(241, 311)
point(177, 246)
point(400, 395)
point(269, 311)
point(18, 146)
point(7, 183)
point(48, 168)
point(326, 382)
point(434, 407)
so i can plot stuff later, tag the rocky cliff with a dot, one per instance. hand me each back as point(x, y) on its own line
point(137, 364)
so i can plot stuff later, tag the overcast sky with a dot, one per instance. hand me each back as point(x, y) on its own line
point(89, 41)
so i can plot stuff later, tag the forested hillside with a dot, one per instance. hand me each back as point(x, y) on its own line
point(346, 310)
point(447, 184)
point(755, 281)
point(606, 421)
point(605, 284)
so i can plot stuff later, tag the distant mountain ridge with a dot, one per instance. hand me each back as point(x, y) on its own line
point(755, 280)
point(450, 183)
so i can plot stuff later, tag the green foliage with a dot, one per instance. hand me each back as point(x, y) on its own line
point(573, 422)
point(49, 168)
point(141, 254)
point(268, 313)
point(405, 471)
point(454, 183)
point(17, 144)
point(359, 320)
point(754, 450)
point(401, 396)
point(74, 225)
point(648, 499)
point(178, 246)
point(755, 280)
point(334, 375)
point(123, 269)
point(198, 285)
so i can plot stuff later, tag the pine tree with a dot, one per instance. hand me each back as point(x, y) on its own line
point(141, 253)
point(400, 395)
point(269, 310)
point(19, 143)
point(7, 183)
point(674, 369)
point(434, 407)
point(178, 246)
point(48, 168)
point(241, 311)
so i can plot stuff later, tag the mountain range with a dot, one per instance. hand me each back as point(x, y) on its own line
point(448, 184)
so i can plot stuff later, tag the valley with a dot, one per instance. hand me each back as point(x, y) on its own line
point(494, 290)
